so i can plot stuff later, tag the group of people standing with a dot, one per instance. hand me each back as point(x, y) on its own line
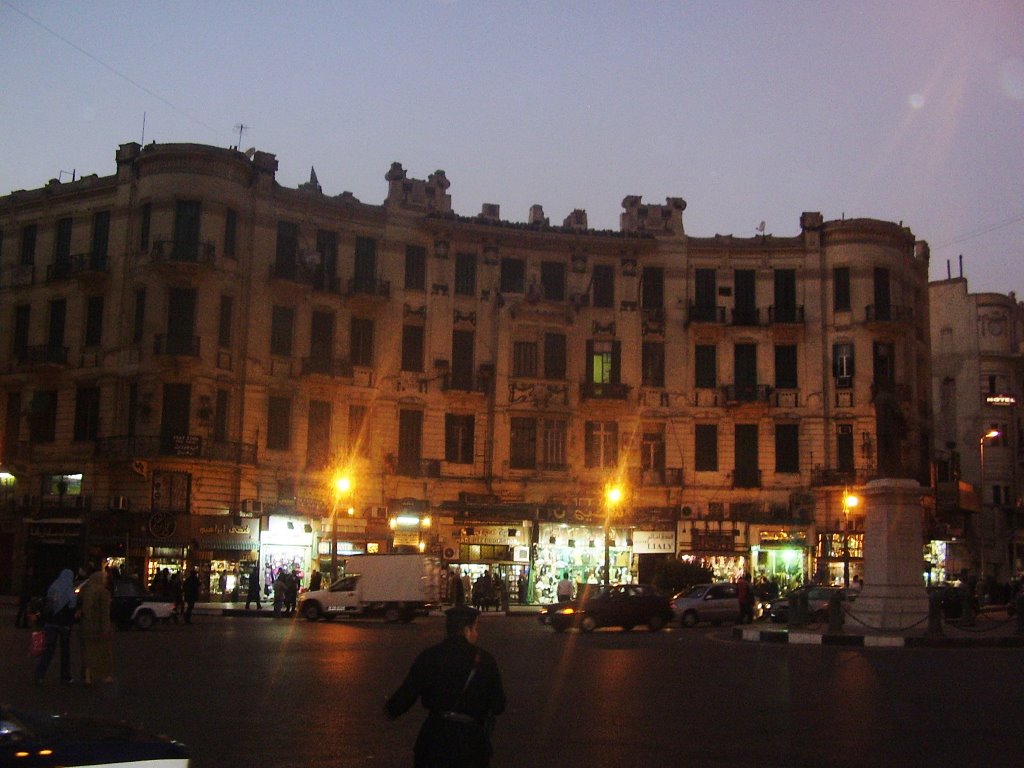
point(182, 592)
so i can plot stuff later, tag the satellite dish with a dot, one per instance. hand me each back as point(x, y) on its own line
point(250, 152)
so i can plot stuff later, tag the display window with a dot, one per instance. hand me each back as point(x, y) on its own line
point(783, 565)
point(579, 551)
point(225, 581)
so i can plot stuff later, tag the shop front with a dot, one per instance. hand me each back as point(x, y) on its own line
point(286, 543)
point(840, 557)
point(224, 550)
point(578, 550)
point(501, 551)
point(713, 547)
point(780, 556)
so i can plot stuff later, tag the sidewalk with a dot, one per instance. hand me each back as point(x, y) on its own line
point(239, 609)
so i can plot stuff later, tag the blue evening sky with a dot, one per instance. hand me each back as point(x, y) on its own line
point(906, 111)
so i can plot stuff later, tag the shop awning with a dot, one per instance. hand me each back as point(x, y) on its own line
point(232, 544)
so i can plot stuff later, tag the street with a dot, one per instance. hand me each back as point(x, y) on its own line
point(264, 692)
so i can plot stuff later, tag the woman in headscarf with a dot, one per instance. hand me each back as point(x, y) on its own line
point(97, 630)
point(58, 616)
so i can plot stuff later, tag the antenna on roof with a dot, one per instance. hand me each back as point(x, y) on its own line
point(142, 141)
point(760, 228)
point(241, 128)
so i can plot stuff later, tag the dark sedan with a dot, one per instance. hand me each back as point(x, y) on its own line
point(45, 741)
point(625, 605)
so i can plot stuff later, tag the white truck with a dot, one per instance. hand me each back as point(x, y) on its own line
point(396, 587)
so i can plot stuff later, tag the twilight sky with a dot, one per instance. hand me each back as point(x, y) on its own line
point(907, 111)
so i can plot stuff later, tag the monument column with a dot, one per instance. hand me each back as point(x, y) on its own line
point(894, 597)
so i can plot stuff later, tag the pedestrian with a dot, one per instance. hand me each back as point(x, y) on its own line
point(175, 595)
point(564, 589)
point(190, 593)
point(97, 631)
point(460, 591)
point(858, 583)
point(58, 616)
point(253, 595)
point(24, 601)
point(467, 586)
point(745, 593)
point(291, 591)
point(523, 588)
point(279, 590)
point(316, 580)
point(460, 686)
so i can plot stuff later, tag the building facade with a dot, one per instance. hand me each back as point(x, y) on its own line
point(978, 382)
point(195, 354)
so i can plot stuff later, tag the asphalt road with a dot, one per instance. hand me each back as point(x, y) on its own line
point(263, 692)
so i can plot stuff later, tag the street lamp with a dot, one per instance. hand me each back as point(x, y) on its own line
point(613, 495)
point(850, 500)
point(342, 490)
point(991, 434)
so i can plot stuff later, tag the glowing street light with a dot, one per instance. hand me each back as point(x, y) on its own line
point(850, 500)
point(342, 490)
point(990, 435)
point(613, 495)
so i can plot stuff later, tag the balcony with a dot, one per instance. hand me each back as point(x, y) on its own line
point(182, 252)
point(746, 478)
point(697, 313)
point(746, 393)
point(192, 446)
point(590, 390)
point(885, 313)
point(42, 355)
point(822, 476)
point(786, 314)
point(413, 467)
point(750, 316)
point(181, 346)
point(77, 265)
point(669, 477)
point(335, 367)
point(369, 286)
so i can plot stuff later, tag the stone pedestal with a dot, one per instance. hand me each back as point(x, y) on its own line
point(894, 598)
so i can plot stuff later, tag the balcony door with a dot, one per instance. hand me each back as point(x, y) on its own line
point(174, 418)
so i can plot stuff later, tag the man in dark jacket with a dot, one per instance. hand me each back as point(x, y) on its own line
point(460, 686)
point(190, 592)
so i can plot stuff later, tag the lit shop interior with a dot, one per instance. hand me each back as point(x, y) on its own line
point(579, 551)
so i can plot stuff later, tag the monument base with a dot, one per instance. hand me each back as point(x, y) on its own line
point(889, 608)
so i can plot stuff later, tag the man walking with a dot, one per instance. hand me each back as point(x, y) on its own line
point(253, 595)
point(460, 686)
point(190, 591)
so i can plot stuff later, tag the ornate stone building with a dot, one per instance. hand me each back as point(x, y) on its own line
point(195, 353)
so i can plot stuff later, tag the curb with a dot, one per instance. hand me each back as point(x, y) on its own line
point(787, 637)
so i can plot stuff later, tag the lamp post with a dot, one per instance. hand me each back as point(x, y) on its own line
point(991, 434)
point(850, 501)
point(612, 498)
point(342, 490)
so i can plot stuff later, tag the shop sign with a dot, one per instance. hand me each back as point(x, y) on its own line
point(798, 538)
point(521, 554)
point(490, 534)
point(407, 539)
point(654, 542)
point(1000, 400)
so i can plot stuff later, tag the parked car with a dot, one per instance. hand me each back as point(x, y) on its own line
point(48, 741)
point(132, 605)
point(817, 603)
point(713, 603)
point(624, 605)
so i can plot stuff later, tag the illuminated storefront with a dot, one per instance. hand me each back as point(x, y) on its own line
point(501, 550)
point(286, 543)
point(579, 551)
point(780, 556)
point(224, 551)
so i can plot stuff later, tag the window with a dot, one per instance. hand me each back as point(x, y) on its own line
point(43, 416)
point(358, 431)
point(230, 233)
point(361, 341)
point(705, 295)
point(601, 443)
point(87, 413)
point(58, 320)
point(220, 416)
point(186, 230)
point(513, 275)
point(883, 306)
point(458, 438)
point(321, 338)
point(554, 356)
point(365, 268)
point(705, 448)
point(410, 438)
point(279, 423)
point(705, 366)
point(145, 219)
point(100, 237)
point(652, 447)
point(326, 272)
point(884, 365)
point(841, 289)
point(746, 473)
point(28, 245)
point(603, 362)
point(785, 366)
point(554, 444)
point(12, 427)
point(462, 360)
point(318, 435)
point(465, 274)
point(844, 448)
point(415, 268)
point(652, 364)
point(227, 308)
point(785, 296)
point(524, 358)
point(94, 321)
point(523, 443)
point(412, 348)
point(139, 320)
point(552, 280)
point(842, 364)
point(281, 322)
point(62, 249)
point(603, 282)
point(19, 345)
point(787, 448)
point(652, 288)
point(744, 297)
point(285, 259)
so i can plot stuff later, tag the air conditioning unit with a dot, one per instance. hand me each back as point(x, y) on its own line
point(119, 502)
point(252, 506)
